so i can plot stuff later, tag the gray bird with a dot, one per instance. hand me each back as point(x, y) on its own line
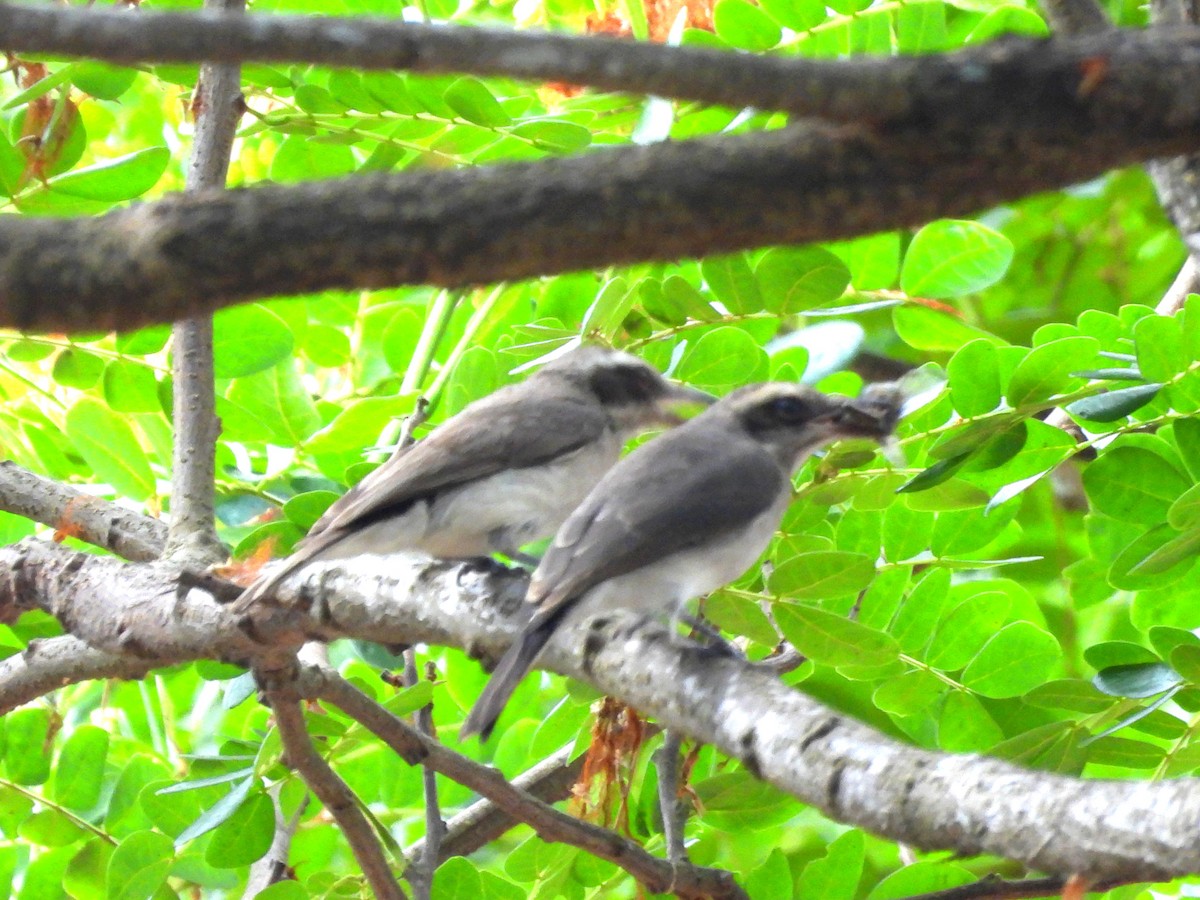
point(681, 516)
point(504, 472)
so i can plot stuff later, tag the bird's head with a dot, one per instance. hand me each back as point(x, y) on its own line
point(793, 421)
point(631, 390)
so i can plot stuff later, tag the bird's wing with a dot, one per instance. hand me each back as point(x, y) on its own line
point(505, 431)
point(680, 490)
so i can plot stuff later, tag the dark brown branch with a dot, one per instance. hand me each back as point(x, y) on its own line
point(187, 255)
point(550, 824)
point(71, 511)
point(848, 90)
point(334, 794)
point(994, 887)
point(482, 822)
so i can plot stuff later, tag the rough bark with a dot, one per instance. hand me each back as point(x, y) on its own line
point(1104, 830)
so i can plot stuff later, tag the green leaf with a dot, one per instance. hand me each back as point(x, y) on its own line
point(1133, 484)
point(130, 387)
point(79, 773)
point(773, 878)
point(798, 15)
point(745, 26)
point(909, 694)
point(822, 574)
point(278, 399)
point(828, 638)
point(1017, 659)
point(247, 339)
point(921, 878)
point(101, 80)
point(359, 424)
point(1115, 404)
point(950, 258)
point(84, 878)
point(1182, 548)
point(612, 305)
point(1137, 681)
point(731, 280)
point(305, 509)
point(26, 751)
point(1160, 351)
point(218, 813)
point(834, 876)
point(555, 135)
point(966, 628)
point(244, 836)
point(1185, 511)
point(456, 877)
point(139, 866)
point(116, 179)
point(77, 368)
point(471, 99)
point(300, 158)
point(965, 726)
point(930, 329)
point(974, 376)
point(109, 446)
point(1047, 369)
point(793, 279)
point(723, 358)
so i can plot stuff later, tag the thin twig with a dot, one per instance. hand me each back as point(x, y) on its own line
point(273, 867)
point(193, 537)
point(420, 873)
point(333, 793)
point(482, 822)
point(550, 824)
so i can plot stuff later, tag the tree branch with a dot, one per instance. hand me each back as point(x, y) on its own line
point(333, 793)
point(193, 539)
point(186, 255)
point(420, 874)
point(1123, 830)
point(70, 510)
point(849, 90)
point(51, 663)
point(481, 823)
point(550, 824)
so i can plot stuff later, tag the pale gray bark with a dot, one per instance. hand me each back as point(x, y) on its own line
point(1105, 830)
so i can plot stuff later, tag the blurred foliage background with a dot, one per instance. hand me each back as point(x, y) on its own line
point(1010, 594)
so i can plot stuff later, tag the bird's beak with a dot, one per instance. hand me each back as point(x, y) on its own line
point(872, 415)
point(682, 398)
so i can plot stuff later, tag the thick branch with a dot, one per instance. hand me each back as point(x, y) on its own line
point(335, 795)
point(1104, 830)
point(48, 664)
point(184, 255)
point(124, 532)
point(848, 90)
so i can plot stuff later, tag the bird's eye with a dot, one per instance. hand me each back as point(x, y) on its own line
point(789, 409)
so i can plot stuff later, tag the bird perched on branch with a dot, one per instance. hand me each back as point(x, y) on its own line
point(504, 472)
point(681, 516)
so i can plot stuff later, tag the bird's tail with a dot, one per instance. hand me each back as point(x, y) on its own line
point(514, 666)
